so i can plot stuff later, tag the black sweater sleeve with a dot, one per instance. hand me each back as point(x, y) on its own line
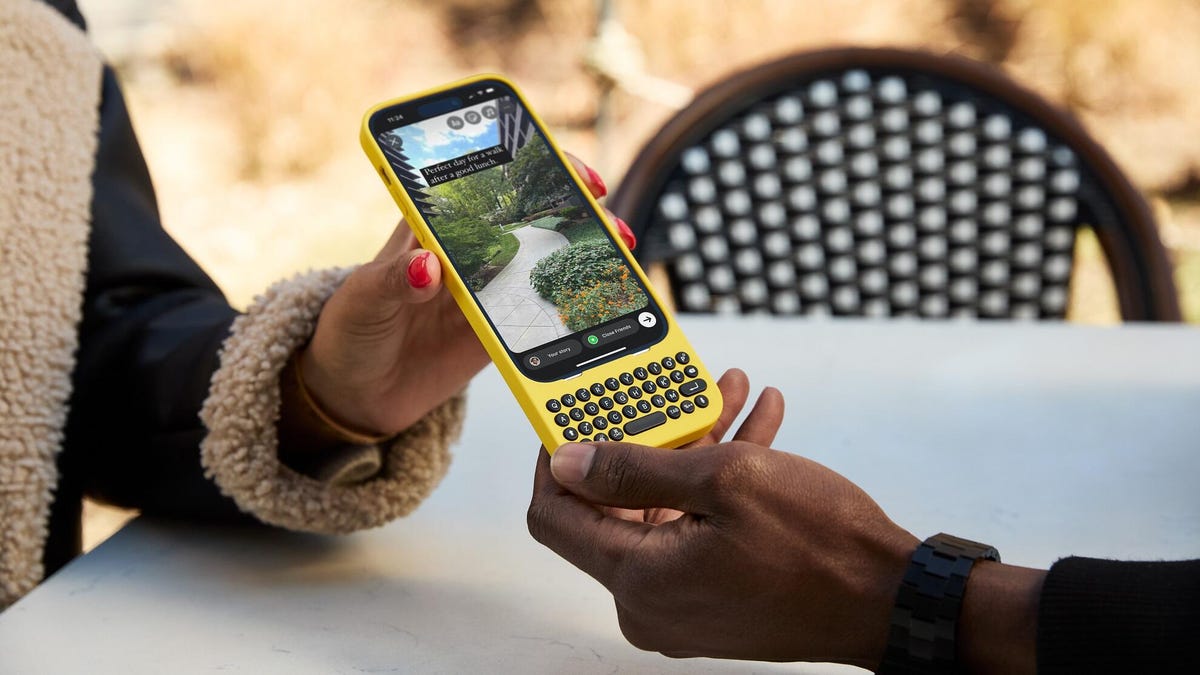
point(1106, 616)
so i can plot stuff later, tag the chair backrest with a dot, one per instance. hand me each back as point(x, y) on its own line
point(883, 182)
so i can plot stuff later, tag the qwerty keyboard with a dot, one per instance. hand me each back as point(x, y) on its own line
point(631, 403)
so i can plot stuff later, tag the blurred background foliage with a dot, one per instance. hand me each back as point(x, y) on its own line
point(248, 111)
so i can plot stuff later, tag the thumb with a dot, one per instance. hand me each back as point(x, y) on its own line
point(632, 476)
point(409, 277)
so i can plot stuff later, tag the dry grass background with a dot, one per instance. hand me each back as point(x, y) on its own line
point(248, 111)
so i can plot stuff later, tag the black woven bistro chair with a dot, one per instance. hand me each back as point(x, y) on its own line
point(881, 182)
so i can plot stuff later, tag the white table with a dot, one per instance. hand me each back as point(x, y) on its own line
point(1044, 440)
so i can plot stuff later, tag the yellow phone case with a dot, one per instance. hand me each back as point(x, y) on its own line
point(532, 395)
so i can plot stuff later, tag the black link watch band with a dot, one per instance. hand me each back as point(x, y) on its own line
point(925, 616)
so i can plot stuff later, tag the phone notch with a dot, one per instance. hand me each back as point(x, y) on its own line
point(440, 106)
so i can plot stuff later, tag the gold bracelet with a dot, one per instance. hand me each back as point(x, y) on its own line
point(345, 433)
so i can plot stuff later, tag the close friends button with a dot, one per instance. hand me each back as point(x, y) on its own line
point(613, 331)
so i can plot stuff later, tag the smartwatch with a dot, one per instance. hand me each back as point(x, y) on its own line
point(925, 617)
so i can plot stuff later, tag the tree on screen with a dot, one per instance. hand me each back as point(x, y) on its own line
point(538, 180)
point(469, 241)
point(484, 196)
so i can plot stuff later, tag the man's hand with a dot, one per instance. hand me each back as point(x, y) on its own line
point(773, 556)
point(759, 427)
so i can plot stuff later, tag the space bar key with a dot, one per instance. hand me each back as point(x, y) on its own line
point(645, 423)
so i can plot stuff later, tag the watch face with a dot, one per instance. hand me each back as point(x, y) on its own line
point(950, 545)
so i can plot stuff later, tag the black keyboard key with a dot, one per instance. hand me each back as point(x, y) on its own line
point(677, 376)
point(568, 400)
point(585, 427)
point(688, 407)
point(640, 373)
point(654, 368)
point(621, 398)
point(606, 403)
point(601, 437)
point(644, 406)
point(616, 434)
point(668, 363)
point(611, 384)
point(646, 423)
point(576, 414)
point(692, 387)
point(664, 381)
point(683, 358)
point(629, 411)
point(658, 401)
point(591, 408)
point(614, 417)
point(649, 387)
point(635, 393)
point(672, 395)
point(701, 401)
point(673, 412)
point(600, 423)
point(626, 379)
point(691, 371)
point(553, 405)
point(582, 395)
point(570, 434)
point(597, 389)
point(562, 420)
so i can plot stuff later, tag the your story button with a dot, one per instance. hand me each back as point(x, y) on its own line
point(554, 353)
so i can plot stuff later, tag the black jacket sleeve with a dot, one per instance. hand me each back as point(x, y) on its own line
point(69, 9)
point(160, 348)
point(1106, 616)
point(152, 324)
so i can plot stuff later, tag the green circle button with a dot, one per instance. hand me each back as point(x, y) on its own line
point(592, 339)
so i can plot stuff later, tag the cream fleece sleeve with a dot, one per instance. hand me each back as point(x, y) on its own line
point(239, 452)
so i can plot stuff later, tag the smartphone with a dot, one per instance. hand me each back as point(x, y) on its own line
point(565, 312)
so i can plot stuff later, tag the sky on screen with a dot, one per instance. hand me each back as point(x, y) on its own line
point(432, 140)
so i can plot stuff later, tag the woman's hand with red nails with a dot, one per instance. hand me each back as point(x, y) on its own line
point(625, 232)
point(598, 189)
point(588, 175)
point(391, 344)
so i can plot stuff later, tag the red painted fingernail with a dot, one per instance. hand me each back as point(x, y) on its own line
point(418, 271)
point(601, 188)
point(626, 234)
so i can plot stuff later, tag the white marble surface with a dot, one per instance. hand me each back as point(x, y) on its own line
point(1048, 439)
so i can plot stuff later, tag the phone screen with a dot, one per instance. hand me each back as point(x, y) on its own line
point(535, 255)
